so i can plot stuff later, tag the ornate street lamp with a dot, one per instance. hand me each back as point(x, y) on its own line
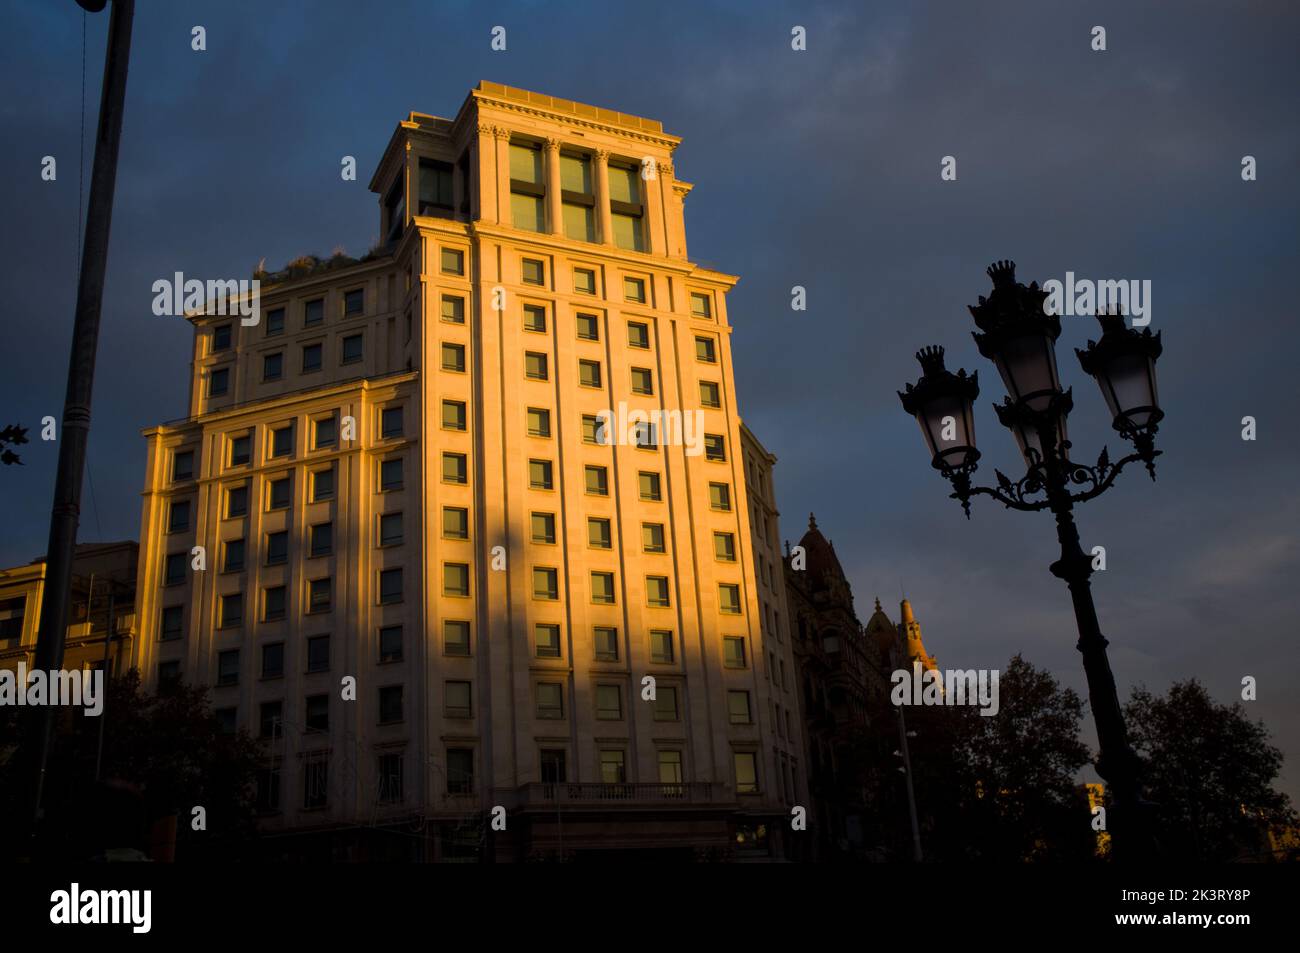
point(1020, 338)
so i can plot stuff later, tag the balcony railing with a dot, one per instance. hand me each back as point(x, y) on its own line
point(574, 792)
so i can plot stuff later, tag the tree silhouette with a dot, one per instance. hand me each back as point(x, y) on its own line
point(1210, 770)
point(11, 436)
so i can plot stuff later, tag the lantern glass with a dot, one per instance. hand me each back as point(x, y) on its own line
point(1128, 384)
point(1027, 363)
point(948, 424)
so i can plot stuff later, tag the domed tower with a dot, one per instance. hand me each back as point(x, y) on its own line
point(882, 634)
point(912, 644)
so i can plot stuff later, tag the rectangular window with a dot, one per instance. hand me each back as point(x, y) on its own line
point(455, 637)
point(597, 480)
point(634, 289)
point(436, 189)
point(670, 771)
point(458, 699)
point(282, 441)
point(546, 583)
point(455, 522)
point(232, 610)
point(550, 700)
point(322, 539)
point(182, 465)
point(455, 579)
point(391, 474)
point(390, 529)
point(352, 352)
point(174, 574)
point(701, 305)
point(642, 381)
point(592, 430)
point(578, 197)
point(612, 767)
point(661, 646)
point(390, 586)
point(638, 335)
point(527, 187)
point(738, 708)
point(178, 516)
point(656, 592)
point(547, 637)
point(724, 547)
point(625, 206)
point(354, 302)
point(706, 350)
point(273, 661)
point(598, 534)
point(606, 644)
point(228, 667)
point(720, 497)
point(452, 261)
point(173, 622)
point(455, 469)
point(233, 561)
point(277, 548)
point(715, 447)
point(315, 783)
point(729, 598)
point(535, 366)
point(390, 643)
point(326, 433)
point(589, 373)
point(602, 588)
point(533, 271)
point(746, 773)
point(318, 713)
point(453, 309)
point(219, 382)
point(318, 653)
point(540, 475)
point(543, 525)
point(460, 771)
point(274, 322)
point(710, 395)
point(609, 702)
point(648, 487)
point(390, 704)
point(652, 538)
point(391, 775)
point(221, 337)
point(453, 358)
point(313, 312)
point(539, 422)
point(319, 595)
point(535, 318)
point(392, 422)
point(273, 602)
point(453, 415)
point(588, 327)
point(322, 485)
point(584, 281)
point(733, 651)
point(273, 366)
point(311, 358)
point(241, 449)
point(665, 703)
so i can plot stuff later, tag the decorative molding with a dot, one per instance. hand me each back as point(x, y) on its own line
point(500, 132)
point(602, 155)
point(671, 142)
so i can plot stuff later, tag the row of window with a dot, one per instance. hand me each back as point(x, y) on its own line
point(351, 351)
point(352, 304)
point(533, 272)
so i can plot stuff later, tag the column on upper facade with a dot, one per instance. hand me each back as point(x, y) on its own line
point(602, 197)
point(554, 208)
point(502, 136)
point(485, 155)
point(655, 185)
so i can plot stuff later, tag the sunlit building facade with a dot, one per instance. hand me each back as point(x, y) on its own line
point(401, 538)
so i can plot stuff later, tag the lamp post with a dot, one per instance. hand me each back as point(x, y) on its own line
point(1019, 336)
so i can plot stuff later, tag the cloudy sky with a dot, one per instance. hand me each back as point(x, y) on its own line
point(816, 168)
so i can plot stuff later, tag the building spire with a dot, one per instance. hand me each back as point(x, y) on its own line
point(812, 521)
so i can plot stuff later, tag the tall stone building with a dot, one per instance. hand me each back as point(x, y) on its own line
point(407, 474)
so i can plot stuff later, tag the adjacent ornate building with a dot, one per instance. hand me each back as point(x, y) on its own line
point(394, 537)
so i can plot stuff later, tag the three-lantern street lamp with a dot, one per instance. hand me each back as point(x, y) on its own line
point(1019, 336)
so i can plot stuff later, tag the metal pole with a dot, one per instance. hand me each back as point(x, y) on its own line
point(907, 769)
point(1117, 762)
point(81, 373)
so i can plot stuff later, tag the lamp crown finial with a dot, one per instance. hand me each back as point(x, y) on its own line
point(931, 360)
point(1003, 273)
